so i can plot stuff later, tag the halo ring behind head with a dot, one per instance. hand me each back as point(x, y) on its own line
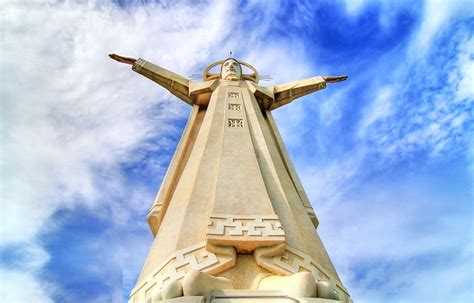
point(207, 75)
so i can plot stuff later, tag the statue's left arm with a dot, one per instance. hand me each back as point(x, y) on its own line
point(176, 84)
point(286, 93)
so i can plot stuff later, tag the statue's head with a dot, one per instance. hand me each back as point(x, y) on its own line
point(231, 70)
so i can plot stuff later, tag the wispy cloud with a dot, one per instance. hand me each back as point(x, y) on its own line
point(414, 110)
point(436, 14)
point(428, 107)
point(401, 235)
point(21, 287)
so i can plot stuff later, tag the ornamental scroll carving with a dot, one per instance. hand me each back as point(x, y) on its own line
point(209, 259)
point(239, 225)
point(245, 232)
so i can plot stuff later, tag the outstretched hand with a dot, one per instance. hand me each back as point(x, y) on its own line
point(331, 79)
point(125, 60)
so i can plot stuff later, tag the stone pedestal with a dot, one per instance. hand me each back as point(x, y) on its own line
point(246, 296)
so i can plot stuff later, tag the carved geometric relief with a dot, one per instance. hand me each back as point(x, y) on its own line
point(233, 106)
point(289, 262)
point(235, 123)
point(293, 261)
point(233, 94)
point(195, 257)
point(238, 225)
point(138, 65)
point(245, 232)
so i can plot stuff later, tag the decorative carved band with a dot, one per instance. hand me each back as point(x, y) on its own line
point(197, 257)
point(239, 225)
point(245, 232)
point(295, 261)
point(292, 261)
point(139, 63)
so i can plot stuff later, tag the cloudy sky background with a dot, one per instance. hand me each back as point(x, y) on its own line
point(386, 157)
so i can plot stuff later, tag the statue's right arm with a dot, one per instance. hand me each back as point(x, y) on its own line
point(286, 93)
point(176, 84)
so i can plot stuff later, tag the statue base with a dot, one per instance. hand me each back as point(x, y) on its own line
point(198, 287)
point(246, 296)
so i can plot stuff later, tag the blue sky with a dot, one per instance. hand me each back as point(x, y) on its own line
point(385, 157)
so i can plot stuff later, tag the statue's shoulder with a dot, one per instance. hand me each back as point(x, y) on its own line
point(257, 89)
point(264, 95)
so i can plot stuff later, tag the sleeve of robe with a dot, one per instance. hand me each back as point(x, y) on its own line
point(286, 93)
point(174, 83)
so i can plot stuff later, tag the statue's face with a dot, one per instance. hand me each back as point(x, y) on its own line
point(231, 70)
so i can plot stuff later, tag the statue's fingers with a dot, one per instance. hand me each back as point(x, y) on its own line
point(122, 59)
point(332, 79)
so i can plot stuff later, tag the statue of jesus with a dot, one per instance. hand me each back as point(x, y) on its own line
point(231, 217)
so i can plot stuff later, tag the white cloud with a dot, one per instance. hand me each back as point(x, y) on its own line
point(355, 7)
point(381, 108)
point(49, 152)
point(21, 287)
point(425, 107)
point(388, 11)
point(465, 62)
point(436, 14)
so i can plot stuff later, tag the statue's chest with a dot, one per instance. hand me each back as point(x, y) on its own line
point(234, 102)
